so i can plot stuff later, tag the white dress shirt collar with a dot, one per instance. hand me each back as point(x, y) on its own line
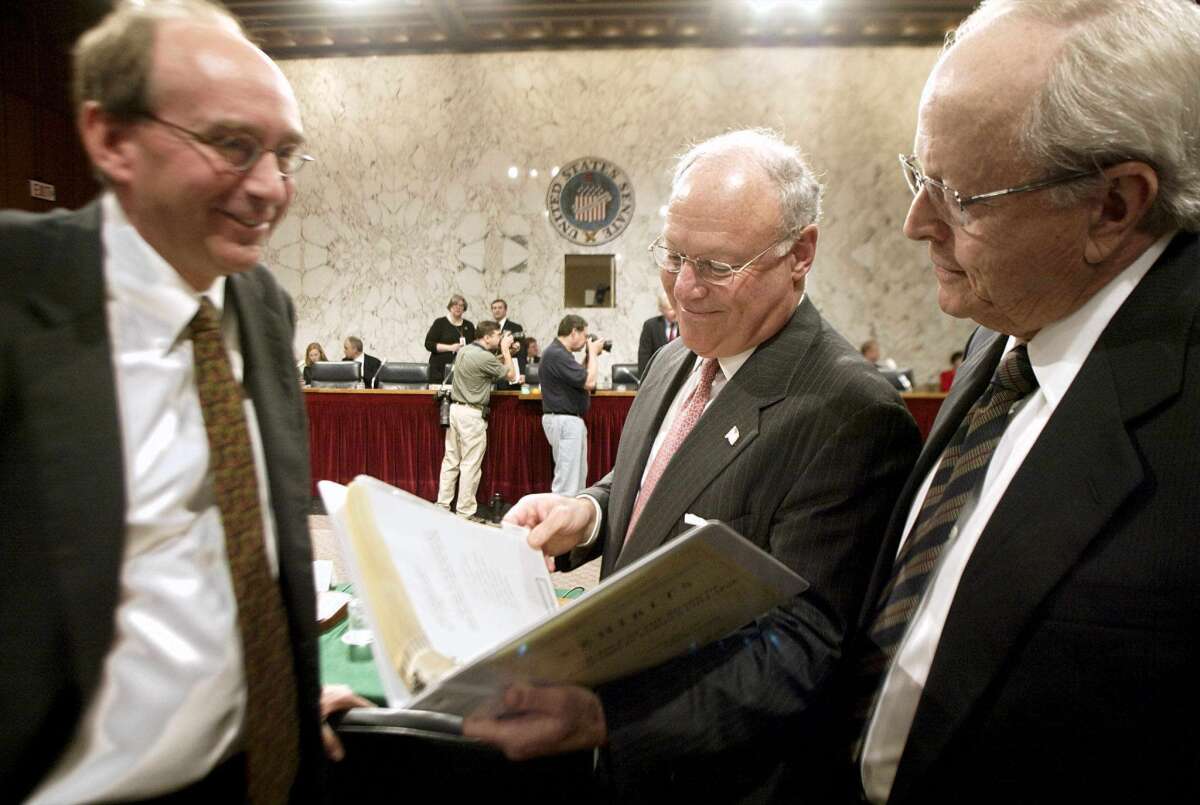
point(1058, 350)
point(140, 277)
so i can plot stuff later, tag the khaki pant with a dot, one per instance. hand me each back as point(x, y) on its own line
point(568, 444)
point(466, 441)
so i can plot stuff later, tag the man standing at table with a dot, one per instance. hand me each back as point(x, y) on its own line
point(156, 594)
point(476, 368)
point(566, 385)
point(1038, 636)
point(764, 417)
point(500, 316)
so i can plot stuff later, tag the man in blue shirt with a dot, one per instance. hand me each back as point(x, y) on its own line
point(565, 387)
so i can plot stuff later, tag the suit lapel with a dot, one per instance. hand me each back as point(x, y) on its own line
point(67, 387)
point(1085, 456)
point(702, 457)
point(637, 437)
point(707, 453)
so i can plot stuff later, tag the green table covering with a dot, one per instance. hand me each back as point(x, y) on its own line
point(340, 666)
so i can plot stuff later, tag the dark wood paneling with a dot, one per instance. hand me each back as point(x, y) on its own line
point(37, 130)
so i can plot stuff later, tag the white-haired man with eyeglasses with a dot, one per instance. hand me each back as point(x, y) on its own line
point(759, 415)
point(156, 592)
point(1038, 635)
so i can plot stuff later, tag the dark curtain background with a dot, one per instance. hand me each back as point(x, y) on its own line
point(395, 436)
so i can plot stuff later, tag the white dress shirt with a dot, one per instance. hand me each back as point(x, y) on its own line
point(1056, 353)
point(171, 697)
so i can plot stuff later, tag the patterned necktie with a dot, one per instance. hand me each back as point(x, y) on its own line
point(271, 727)
point(685, 420)
point(956, 482)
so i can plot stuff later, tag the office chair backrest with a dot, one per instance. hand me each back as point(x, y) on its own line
point(336, 374)
point(402, 375)
point(625, 377)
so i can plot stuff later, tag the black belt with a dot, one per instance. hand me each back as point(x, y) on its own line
point(476, 406)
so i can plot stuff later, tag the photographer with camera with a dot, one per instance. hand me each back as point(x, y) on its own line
point(565, 388)
point(476, 367)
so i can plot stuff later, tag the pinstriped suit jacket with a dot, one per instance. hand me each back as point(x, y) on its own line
point(824, 447)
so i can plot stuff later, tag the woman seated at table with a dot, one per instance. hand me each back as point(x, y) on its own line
point(312, 353)
point(447, 335)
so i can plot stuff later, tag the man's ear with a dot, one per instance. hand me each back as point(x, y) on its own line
point(1129, 191)
point(804, 251)
point(108, 142)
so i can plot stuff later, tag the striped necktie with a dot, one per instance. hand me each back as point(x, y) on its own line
point(685, 420)
point(270, 729)
point(957, 480)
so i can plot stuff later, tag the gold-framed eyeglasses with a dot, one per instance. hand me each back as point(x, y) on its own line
point(242, 150)
point(713, 272)
point(951, 205)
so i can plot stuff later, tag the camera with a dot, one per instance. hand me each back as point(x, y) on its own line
point(442, 399)
point(607, 342)
point(517, 336)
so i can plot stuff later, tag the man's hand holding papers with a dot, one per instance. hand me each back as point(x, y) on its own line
point(556, 523)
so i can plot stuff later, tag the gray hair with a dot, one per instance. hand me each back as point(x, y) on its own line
point(112, 61)
point(799, 190)
point(1124, 86)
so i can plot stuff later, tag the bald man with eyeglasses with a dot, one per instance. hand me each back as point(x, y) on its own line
point(759, 415)
point(156, 593)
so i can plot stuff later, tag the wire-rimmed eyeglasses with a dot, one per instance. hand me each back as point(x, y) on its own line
point(951, 205)
point(713, 272)
point(242, 150)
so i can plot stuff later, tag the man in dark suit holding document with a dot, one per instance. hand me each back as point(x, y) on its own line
point(761, 416)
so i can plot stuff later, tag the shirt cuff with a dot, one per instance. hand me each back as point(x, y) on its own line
point(596, 528)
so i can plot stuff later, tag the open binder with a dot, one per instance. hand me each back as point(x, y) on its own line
point(461, 610)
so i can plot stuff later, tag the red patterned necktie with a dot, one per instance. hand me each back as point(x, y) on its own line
point(271, 727)
point(957, 480)
point(685, 420)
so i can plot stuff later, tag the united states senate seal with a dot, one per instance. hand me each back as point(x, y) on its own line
point(590, 201)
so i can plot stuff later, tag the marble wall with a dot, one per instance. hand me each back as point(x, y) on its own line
point(411, 199)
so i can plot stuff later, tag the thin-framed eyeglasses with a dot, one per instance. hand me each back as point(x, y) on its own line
point(242, 150)
point(713, 272)
point(949, 202)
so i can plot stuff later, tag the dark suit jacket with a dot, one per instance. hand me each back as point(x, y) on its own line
point(1067, 668)
point(654, 336)
point(824, 445)
point(62, 498)
point(371, 366)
